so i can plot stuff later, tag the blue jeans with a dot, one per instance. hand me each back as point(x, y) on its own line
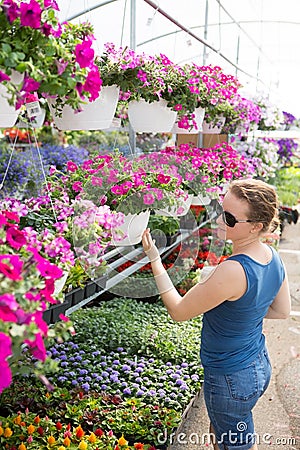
point(230, 399)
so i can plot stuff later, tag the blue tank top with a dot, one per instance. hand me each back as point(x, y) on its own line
point(231, 336)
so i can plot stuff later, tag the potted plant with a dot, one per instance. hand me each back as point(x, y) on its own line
point(55, 60)
point(262, 154)
point(271, 115)
point(152, 82)
point(164, 229)
point(245, 118)
point(213, 90)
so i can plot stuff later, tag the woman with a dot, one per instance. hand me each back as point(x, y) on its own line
point(244, 289)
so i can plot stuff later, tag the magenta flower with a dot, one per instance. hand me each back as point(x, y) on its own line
point(15, 237)
point(93, 84)
point(11, 9)
point(7, 315)
point(3, 77)
point(163, 179)
point(141, 75)
point(64, 318)
point(96, 181)
point(9, 301)
point(149, 199)
point(5, 352)
point(77, 186)
point(2, 220)
point(71, 166)
point(51, 4)
point(178, 107)
point(30, 14)
point(11, 267)
point(84, 53)
point(11, 216)
point(30, 85)
point(118, 190)
point(37, 347)
point(48, 269)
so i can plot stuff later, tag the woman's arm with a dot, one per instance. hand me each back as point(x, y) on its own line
point(281, 306)
point(227, 282)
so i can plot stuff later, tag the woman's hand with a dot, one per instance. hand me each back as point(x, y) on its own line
point(149, 246)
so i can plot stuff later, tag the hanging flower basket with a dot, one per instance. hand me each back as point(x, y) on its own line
point(8, 113)
point(199, 117)
point(96, 115)
point(133, 228)
point(153, 117)
point(214, 127)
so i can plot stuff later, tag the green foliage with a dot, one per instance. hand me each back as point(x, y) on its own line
point(287, 182)
point(167, 224)
point(143, 329)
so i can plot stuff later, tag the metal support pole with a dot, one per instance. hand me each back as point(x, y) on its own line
point(132, 136)
point(205, 33)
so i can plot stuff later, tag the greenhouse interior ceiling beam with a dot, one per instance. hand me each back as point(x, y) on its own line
point(244, 31)
point(203, 41)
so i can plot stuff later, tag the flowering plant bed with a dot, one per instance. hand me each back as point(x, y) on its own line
point(124, 386)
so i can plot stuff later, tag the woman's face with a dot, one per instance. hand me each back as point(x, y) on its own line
point(235, 210)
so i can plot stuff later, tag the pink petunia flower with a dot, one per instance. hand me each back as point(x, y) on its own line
point(30, 14)
point(77, 186)
point(51, 4)
point(3, 77)
point(30, 85)
point(5, 352)
point(11, 9)
point(48, 269)
point(71, 166)
point(37, 347)
point(11, 267)
point(84, 53)
point(148, 199)
point(93, 83)
point(15, 238)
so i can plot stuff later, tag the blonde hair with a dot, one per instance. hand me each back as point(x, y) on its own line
point(262, 200)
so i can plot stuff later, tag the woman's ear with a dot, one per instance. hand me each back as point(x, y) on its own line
point(256, 227)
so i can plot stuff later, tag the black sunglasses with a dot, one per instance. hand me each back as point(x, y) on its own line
point(230, 220)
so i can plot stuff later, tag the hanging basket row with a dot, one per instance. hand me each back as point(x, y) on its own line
point(143, 116)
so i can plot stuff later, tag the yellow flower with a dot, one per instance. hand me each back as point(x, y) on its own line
point(17, 420)
point(82, 446)
point(122, 441)
point(1, 431)
point(67, 442)
point(30, 429)
point(22, 447)
point(7, 432)
point(92, 438)
point(61, 448)
point(51, 440)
